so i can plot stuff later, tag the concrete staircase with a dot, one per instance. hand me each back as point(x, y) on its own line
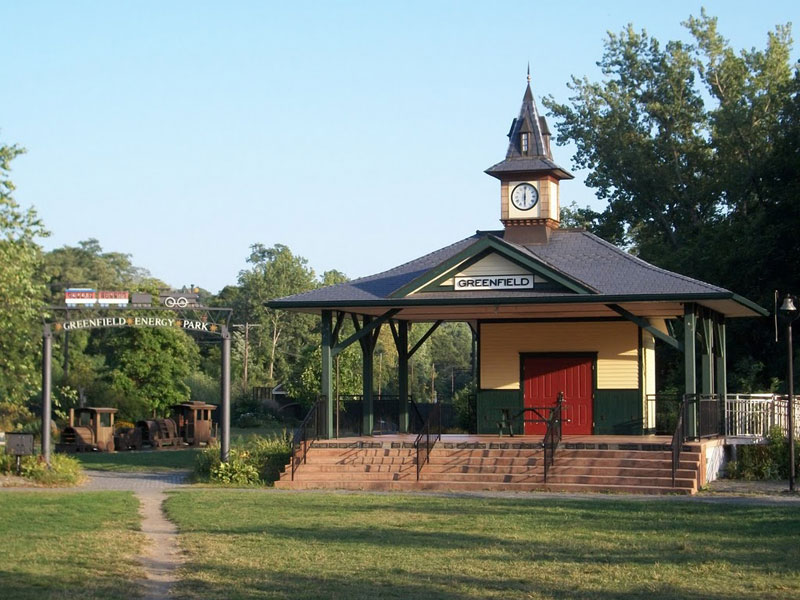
point(502, 466)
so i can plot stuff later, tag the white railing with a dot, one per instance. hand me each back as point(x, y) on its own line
point(753, 415)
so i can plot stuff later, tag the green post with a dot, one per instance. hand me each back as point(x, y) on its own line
point(327, 370)
point(690, 363)
point(706, 360)
point(721, 359)
point(367, 348)
point(402, 373)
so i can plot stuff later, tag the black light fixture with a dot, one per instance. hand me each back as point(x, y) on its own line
point(789, 308)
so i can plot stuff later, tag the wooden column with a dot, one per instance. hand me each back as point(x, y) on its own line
point(721, 357)
point(367, 348)
point(690, 362)
point(327, 372)
point(402, 373)
point(706, 359)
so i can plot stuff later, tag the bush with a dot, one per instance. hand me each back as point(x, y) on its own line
point(258, 461)
point(64, 470)
point(763, 461)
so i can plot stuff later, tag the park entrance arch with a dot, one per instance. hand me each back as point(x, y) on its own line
point(92, 309)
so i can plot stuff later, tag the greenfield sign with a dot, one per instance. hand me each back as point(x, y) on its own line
point(493, 282)
point(98, 322)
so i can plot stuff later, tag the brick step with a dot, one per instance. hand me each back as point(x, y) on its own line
point(363, 451)
point(576, 461)
point(567, 452)
point(557, 469)
point(357, 468)
point(452, 486)
point(360, 460)
point(651, 480)
point(301, 475)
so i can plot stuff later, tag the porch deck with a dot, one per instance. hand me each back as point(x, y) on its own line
point(584, 463)
point(489, 441)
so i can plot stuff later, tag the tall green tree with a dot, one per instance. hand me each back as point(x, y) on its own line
point(21, 289)
point(279, 343)
point(695, 148)
point(150, 366)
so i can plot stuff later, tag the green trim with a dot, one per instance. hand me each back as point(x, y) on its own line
point(500, 300)
point(489, 407)
point(422, 340)
point(645, 324)
point(486, 243)
point(365, 330)
point(618, 412)
point(750, 304)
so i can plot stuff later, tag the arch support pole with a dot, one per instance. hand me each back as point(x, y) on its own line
point(225, 417)
point(47, 386)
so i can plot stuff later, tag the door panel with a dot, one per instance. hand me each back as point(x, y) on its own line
point(544, 377)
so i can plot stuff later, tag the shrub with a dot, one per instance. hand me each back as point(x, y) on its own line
point(64, 470)
point(258, 461)
point(763, 461)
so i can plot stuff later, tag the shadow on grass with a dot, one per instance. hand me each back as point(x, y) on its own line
point(28, 586)
point(400, 584)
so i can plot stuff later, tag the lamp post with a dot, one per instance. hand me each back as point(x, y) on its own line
point(790, 310)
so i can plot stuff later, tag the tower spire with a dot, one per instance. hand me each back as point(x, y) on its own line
point(529, 72)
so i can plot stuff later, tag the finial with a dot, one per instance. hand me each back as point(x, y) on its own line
point(529, 71)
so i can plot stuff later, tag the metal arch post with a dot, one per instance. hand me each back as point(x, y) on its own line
point(47, 359)
point(225, 430)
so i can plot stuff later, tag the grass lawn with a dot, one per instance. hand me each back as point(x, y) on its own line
point(361, 546)
point(68, 545)
point(145, 460)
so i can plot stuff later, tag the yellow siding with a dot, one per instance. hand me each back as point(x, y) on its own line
point(494, 264)
point(615, 343)
point(649, 358)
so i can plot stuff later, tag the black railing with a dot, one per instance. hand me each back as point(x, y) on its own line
point(308, 431)
point(415, 419)
point(678, 437)
point(552, 436)
point(430, 434)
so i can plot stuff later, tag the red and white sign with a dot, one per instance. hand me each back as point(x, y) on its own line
point(109, 298)
point(80, 296)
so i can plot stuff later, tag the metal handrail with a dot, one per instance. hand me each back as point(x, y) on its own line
point(678, 437)
point(416, 410)
point(301, 435)
point(434, 422)
point(552, 436)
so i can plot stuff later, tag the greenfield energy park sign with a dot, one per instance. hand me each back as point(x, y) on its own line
point(101, 322)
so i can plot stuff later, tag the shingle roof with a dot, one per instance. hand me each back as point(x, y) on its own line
point(538, 158)
point(579, 255)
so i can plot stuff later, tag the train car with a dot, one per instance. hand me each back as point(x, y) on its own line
point(90, 429)
point(158, 433)
point(194, 423)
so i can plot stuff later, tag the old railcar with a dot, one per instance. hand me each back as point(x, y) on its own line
point(194, 423)
point(158, 433)
point(90, 429)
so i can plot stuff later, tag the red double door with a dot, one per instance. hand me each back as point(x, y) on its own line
point(544, 377)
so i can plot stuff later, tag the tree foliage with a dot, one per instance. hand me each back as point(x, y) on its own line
point(695, 148)
point(21, 289)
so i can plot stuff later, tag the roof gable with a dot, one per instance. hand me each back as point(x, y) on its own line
point(489, 255)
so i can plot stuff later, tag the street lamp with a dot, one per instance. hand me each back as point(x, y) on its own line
point(790, 310)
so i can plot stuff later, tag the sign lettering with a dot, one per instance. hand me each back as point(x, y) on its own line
point(493, 282)
point(95, 323)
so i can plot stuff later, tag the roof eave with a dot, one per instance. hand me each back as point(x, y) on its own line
point(576, 299)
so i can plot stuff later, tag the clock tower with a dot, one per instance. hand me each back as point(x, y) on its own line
point(529, 179)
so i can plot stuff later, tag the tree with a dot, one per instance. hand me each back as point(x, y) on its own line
point(695, 148)
point(279, 342)
point(21, 289)
point(150, 366)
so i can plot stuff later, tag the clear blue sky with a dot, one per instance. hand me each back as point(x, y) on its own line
point(183, 132)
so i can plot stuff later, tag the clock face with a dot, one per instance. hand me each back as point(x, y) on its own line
point(524, 196)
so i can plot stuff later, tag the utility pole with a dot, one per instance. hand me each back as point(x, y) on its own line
point(246, 327)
